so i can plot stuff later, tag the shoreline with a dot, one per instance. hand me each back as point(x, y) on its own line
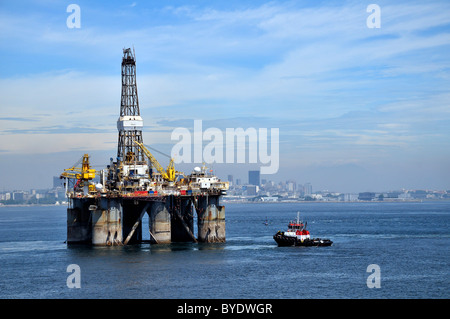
point(30, 205)
point(224, 201)
point(331, 201)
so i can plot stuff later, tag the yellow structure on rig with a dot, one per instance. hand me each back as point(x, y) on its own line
point(83, 174)
point(169, 174)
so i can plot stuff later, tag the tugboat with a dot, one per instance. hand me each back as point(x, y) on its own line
point(297, 235)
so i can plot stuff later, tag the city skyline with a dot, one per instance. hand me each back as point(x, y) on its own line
point(291, 185)
point(358, 108)
point(267, 191)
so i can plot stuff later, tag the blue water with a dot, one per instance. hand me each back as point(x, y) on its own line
point(408, 241)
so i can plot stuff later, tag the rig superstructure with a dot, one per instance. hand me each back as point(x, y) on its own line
point(110, 212)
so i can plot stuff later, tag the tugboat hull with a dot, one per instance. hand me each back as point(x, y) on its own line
point(284, 241)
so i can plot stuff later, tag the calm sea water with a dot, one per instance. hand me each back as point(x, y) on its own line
point(408, 241)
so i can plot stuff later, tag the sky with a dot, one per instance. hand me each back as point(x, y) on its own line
point(357, 108)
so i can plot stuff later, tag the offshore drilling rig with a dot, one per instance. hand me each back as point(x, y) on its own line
point(110, 212)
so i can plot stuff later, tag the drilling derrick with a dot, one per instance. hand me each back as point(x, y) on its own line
point(134, 170)
point(130, 122)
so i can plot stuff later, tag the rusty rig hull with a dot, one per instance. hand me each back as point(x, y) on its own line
point(110, 221)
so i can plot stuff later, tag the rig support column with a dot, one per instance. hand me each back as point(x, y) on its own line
point(79, 221)
point(160, 223)
point(211, 219)
point(106, 223)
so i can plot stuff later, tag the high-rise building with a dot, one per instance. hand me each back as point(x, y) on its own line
point(291, 186)
point(18, 195)
point(230, 180)
point(307, 188)
point(253, 178)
